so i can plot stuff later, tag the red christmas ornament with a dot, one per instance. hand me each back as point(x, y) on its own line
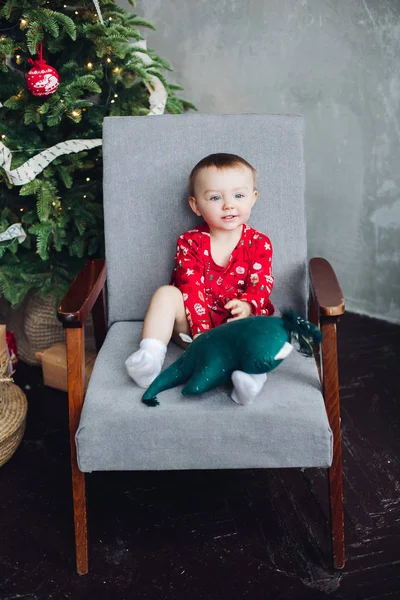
point(42, 80)
point(11, 349)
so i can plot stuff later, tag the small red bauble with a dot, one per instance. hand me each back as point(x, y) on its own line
point(42, 80)
point(12, 353)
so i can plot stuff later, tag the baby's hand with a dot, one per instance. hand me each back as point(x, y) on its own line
point(239, 309)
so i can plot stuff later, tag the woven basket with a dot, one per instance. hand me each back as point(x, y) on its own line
point(36, 327)
point(13, 409)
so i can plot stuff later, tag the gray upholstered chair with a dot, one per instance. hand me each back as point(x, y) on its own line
point(295, 421)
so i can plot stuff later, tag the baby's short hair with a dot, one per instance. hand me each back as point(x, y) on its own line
point(221, 160)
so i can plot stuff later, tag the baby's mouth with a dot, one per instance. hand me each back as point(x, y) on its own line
point(229, 217)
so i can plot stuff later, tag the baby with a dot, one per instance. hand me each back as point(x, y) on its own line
point(222, 272)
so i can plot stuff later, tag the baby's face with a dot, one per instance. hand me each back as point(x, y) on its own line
point(224, 197)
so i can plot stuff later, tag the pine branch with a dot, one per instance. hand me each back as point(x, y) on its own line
point(8, 7)
point(42, 231)
point(34, 36)
point(32, 187)
point(44, 17)
point(45, 196)
point(50, 21)
point(67, 24)
point(138, 22)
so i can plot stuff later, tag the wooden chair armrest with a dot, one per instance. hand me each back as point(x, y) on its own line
point(326, 306)
point(82, 294)
point(325, 289)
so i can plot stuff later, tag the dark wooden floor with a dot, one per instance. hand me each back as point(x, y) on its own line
point(214, 535)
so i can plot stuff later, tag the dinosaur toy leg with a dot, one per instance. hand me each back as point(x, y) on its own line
point(199, 384)
point(246, 386)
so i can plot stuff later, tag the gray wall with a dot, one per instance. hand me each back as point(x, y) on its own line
point(337, 62)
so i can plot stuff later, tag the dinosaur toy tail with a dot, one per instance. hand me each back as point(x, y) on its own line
point(305, 333)
point(174, 375)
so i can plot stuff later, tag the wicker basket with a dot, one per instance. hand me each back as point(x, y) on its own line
point(36, 327)
point(13, 409)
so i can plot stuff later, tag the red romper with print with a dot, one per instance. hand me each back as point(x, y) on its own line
point(206, 287)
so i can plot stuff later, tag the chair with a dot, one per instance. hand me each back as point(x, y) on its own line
point(292, 423)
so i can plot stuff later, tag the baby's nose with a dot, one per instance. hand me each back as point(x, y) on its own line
point(227, 203)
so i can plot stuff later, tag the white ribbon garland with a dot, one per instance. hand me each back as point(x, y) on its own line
point(96, 3)
point(14, 231)
point(32, 167)
point(158, 93)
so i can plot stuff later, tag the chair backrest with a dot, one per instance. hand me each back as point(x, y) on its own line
point(147, 161)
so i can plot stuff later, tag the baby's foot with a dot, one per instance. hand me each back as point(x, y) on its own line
point(246, 386)
point(145, 364)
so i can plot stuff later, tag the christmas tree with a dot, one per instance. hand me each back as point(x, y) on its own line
point(102, 68)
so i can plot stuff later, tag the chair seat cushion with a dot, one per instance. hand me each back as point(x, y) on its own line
point(287, 425)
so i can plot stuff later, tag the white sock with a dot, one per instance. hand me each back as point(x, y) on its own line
point(146, 363)
point(246, 386)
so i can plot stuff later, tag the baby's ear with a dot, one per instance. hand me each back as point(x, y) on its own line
point(255, 196)
point(193, 205)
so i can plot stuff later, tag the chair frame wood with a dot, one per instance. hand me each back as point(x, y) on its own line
point(87, 295)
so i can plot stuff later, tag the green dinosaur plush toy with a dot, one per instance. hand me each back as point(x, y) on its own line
point(253, 345)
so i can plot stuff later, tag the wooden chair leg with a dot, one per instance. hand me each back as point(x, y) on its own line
point(76, 386)
point(332, 403)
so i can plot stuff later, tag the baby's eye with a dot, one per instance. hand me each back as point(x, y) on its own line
point(239, 195)
point(214, 198)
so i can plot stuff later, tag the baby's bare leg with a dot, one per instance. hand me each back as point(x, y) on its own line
point(165, 315)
